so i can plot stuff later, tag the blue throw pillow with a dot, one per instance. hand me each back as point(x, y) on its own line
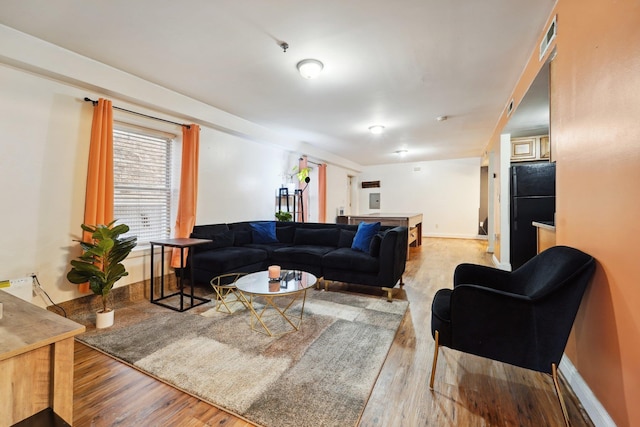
point(365, 233)
point(264, 232)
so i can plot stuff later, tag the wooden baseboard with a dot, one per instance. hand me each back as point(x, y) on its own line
point(131, 292)
point(455, 236)
point(591, 404)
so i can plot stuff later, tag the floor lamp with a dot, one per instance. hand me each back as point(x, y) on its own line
point(300, 192)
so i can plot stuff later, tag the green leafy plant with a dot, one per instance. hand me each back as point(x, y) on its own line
point(284, 216)
point(101, 261)
point(302, 174)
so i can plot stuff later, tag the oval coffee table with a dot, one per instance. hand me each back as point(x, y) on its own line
point(292, 285)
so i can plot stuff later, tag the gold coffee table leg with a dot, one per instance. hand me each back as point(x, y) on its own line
point(254, 315)
point(224, 290)
point(270, 303)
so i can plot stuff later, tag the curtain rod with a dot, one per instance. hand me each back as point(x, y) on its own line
point(312, 162)
point(140, 114)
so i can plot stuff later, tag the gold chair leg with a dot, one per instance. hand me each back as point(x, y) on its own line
point(554, 375)
point(435, 360)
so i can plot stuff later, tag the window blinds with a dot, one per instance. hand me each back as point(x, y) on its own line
point(142, 184)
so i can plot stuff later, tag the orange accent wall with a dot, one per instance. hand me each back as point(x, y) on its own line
point(595, 134)
point(595, 123)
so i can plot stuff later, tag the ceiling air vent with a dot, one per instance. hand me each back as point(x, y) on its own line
point(548, 38)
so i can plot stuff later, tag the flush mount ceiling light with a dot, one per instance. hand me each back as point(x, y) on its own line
point(376, 129)
point(401, 153)
point(310, 68)
point(442, 118)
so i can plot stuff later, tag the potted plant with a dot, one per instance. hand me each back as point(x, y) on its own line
point(284, 216)
point(101, 264)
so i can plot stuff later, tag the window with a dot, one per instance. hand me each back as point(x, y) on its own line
point(142, 183)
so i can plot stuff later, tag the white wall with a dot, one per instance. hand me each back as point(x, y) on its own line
point(446, 192)
point(337, 193)
point(238, 178)
point(45, 132)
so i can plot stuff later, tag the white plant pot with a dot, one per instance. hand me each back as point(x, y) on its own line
point(104, 319)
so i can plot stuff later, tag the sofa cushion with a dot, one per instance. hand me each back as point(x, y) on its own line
point(219, 240)
point(241, 237)
point(346, 238)
point(316, 237)
point(267, 247)
point(241, 233)
point(263, 232)
point(366, 231)
point(228, 259)
point(349, 259)
point(285, 234)
point(374, 246)
point(301, 254)
point(210, 229)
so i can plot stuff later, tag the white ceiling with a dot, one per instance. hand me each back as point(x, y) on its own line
point(399, 63)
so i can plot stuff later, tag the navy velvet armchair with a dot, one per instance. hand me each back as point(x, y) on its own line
point(522, 317)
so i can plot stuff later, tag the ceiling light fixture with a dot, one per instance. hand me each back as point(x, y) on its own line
point(401, 153)
point(442, 118)
point(376, 129)
point(310, 68)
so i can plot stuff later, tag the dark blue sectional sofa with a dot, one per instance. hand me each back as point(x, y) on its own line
point(321, 249)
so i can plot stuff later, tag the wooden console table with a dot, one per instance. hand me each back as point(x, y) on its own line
point(412, 221)
point(36, 361)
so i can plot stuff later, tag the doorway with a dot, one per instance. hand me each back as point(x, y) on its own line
point(483, 210)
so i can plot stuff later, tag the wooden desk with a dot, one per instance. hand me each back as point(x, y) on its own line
point(36, 361)
point(412, 221)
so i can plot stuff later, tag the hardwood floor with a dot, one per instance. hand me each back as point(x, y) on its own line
point(468, 390)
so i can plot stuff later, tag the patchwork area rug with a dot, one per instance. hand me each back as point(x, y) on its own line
point(321, 375)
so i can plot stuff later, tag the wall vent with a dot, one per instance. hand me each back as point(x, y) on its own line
point(370, 184)
point(548, 38)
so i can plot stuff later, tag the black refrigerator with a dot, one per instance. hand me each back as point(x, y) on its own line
point(533, 198)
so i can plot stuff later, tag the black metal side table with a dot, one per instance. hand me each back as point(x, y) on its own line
point(182, 244)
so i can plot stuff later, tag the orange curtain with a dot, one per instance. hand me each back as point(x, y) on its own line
point(98, 205)
point(322, 193)
point(186, 217)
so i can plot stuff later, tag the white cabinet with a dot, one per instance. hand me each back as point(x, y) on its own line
point(530, 148)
